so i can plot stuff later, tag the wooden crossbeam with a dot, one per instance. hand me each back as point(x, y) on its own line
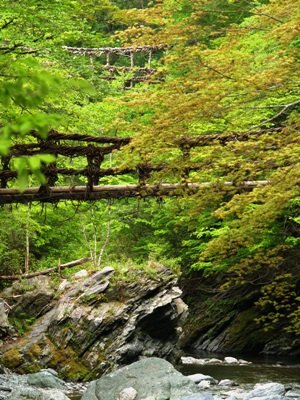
point(58, 149)
point(223, 138)
point(201, 140)
point(54, 135)
point(54, 194)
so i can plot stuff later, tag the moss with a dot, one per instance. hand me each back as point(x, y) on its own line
point(31, 369)
point(66, 362)
point(244, 334)
point(22, 323)
point(12, 359)
point(34, 352)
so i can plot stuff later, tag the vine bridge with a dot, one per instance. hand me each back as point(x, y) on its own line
point(133, 62)
point(85, 183)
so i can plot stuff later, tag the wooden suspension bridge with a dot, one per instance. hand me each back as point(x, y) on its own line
point(94, 149)
point(135, 62)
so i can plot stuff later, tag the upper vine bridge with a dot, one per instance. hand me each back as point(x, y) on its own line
point(133, 62)
point(95, 151)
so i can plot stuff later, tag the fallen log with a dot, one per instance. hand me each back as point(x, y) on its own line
point(70, 264)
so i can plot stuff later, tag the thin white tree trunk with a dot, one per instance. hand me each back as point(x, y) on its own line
point(107, 236)
point(95, 238)
point(27, 241)
point(88, 244)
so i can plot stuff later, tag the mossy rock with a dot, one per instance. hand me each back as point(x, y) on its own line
point(243, 334)
point(12, 359)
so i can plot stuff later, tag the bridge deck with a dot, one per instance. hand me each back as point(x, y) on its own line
point(82, 193)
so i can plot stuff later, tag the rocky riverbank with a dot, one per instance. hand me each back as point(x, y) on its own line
point(148, 379)
point(228, 321)
point(91, 325)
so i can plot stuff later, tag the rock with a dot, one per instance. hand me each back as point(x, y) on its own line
point(268, 397)
point(5, 327)
point(95, 327)
point(244, 362)
point(214, 361)
point(192, 361)
point(4, 370)
point(204, 384)
point(45, 379)
point(292, 394)
point(33, 304)
point(81, 274)
point(236, 394)
point(127, 394)
point(152, 378)
point(198, 396)
point(65, 284)
point(230, 360)
point(196, 378)
point(283, 346)
point(26, 393)
point(50, 371)
point(227, 382)
point(106, 271)
point(267, 390)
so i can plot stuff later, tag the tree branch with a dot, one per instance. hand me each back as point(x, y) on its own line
point(45, 271)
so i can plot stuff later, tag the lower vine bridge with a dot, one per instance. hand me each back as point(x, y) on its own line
point(86, 183)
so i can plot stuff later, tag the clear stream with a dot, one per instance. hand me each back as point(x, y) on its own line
point(262, 369)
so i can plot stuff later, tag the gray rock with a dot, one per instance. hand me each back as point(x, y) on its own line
point(81, 274)
point(33, 303)
point(227, 382)
point(127, 394)
point(214, 361)
point(292, 394)
point(204, 385)
point(267, 390)
point(27, 393)
point(198, 396)
point(4, 370)
point(50, 371)
point(45, 379)
point(65, 284)
point(193, 361)
point(5, 327)
point(269, 397)
point(95, 328)
point(196, 378)
point(244, 362)
point(152, 378)
point(230, 360)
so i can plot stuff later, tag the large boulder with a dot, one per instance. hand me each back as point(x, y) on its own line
point(269, 390)
point(41, 386)
point(45, 379)
point(27, 393)
point(151, 378)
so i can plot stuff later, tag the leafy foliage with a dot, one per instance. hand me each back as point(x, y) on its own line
point(229, 67)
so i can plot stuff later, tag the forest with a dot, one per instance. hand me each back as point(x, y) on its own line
point(206, 94)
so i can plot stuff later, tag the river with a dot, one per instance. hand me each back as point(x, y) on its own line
point(262, 370)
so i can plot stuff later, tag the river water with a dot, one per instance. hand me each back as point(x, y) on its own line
point(262, 370)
